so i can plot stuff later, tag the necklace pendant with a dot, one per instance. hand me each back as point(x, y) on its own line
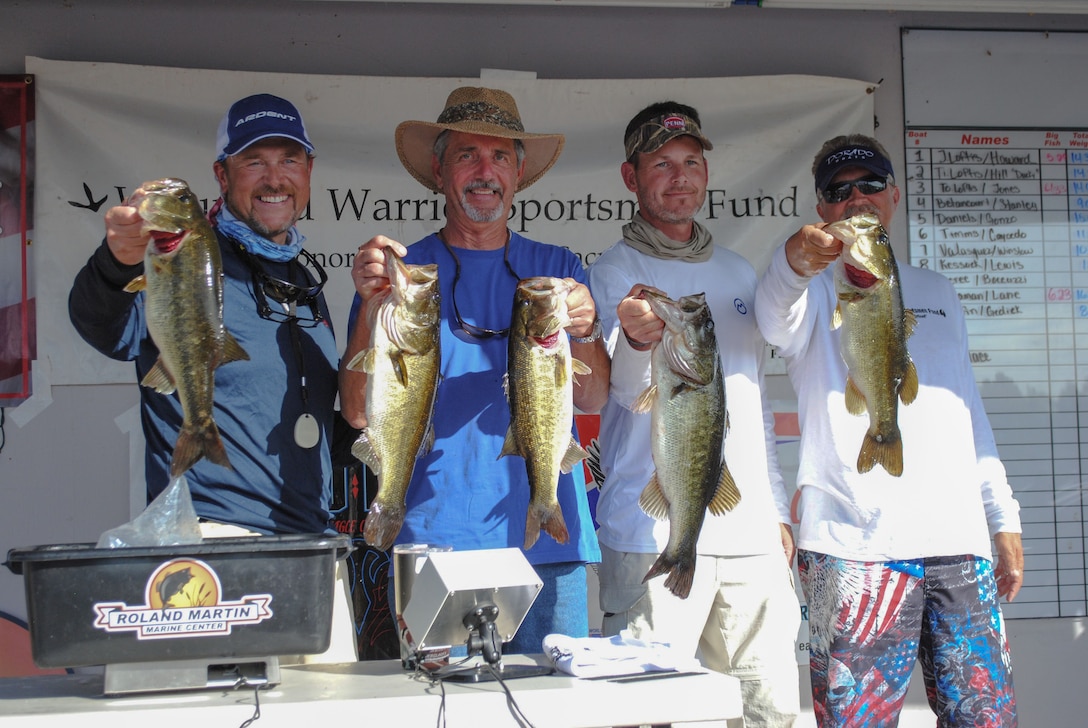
point(307, 433)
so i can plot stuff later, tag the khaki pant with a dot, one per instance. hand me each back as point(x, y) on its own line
point(741, 618)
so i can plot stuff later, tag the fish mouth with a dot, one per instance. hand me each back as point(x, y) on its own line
point(859, 278)
point(166, 241)
point(547, 342)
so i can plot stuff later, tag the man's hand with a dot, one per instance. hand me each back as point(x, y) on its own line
point(125, 234)
point(640, 324)
point(581, 309)
point(1009, 569)
point(810, 250)
point(788, 546)
point(368, 268)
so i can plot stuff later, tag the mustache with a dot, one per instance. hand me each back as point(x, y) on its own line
point(482, 185)
point(267, 191)
point(861, 209)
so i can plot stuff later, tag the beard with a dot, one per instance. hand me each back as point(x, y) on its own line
point(258, 225)
point(477, 214)
point(672, 216)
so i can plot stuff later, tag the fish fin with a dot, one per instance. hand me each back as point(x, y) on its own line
point(363, 361)
point(382, 525)
point(232, 350)
point(159, 379)
point(836, 317)
point(681, 573)
point(136, 285)
point(855, 400)
point(363, 450)
point(653, 501)
point(908, 390)
point(510, 444)
point(909, 322)
point(886, 451)
point(400, 367)
point(580, 367)
point(727, 495)
point(195, 442)
point(428, 440)
point(645, 401)
point(547, 518)
point(575, 453)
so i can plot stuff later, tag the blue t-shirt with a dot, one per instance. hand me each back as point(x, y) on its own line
point(462, 494)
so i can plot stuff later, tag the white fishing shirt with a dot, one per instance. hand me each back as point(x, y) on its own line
point(953, 493)
point(729, 282)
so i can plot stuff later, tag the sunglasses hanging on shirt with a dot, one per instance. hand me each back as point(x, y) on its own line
point(475, 332)
point(288, 294)
point(288, 297)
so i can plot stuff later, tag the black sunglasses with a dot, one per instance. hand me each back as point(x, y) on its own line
point(837, 192)
point(476, 332)
point(266, 286)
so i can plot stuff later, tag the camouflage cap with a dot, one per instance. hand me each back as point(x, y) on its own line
point(656, 132)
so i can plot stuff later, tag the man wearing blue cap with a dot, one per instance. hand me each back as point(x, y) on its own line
point(895, 567)
point(275, 411)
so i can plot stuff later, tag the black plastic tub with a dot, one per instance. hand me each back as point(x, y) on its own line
point(223, 598)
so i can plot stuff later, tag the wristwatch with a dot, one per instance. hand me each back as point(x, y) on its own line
point(595, 333)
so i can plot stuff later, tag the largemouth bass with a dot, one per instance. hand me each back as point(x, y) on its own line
point(183, 276)
point(686, 399)
point(540, 391)
point(875, 328)
point(402, 365)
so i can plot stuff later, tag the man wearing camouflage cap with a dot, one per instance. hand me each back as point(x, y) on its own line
point(741, 614)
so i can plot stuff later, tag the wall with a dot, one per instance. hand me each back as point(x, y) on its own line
point(60, 473)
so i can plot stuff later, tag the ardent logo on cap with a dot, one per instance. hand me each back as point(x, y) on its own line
point(262, 114)
point(674, 123)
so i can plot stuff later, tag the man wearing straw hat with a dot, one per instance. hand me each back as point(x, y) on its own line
point(462, 494)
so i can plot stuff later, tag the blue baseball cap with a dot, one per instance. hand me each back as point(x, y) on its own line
point(854, 155)
point(257, 117)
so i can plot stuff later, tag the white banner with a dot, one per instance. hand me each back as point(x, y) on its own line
point(102, 129)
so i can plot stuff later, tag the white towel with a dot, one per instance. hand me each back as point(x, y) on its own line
point(614, 656)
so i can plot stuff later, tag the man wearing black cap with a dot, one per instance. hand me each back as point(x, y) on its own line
point(894, 568)
point(275, 411)
point(741, 613)
point(462, 494)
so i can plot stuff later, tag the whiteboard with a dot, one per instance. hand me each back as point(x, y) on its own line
point(995, 187)
point(994, 78)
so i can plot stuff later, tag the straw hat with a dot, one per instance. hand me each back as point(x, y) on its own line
point(475, 111)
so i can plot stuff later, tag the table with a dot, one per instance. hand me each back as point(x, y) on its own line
point(379, 693)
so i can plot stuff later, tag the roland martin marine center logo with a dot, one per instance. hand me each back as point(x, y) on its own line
point(182, 599)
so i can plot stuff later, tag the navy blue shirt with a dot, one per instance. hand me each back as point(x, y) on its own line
point(275, 485)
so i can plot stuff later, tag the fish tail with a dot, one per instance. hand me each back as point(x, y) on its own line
point(382, 525)
point(882, 449)
point(196, 442)
point(546, 518)
point(680, 570)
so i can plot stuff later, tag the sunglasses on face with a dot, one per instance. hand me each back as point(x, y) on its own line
point(837, 192)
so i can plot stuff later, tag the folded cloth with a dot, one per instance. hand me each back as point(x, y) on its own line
point(614, 656)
